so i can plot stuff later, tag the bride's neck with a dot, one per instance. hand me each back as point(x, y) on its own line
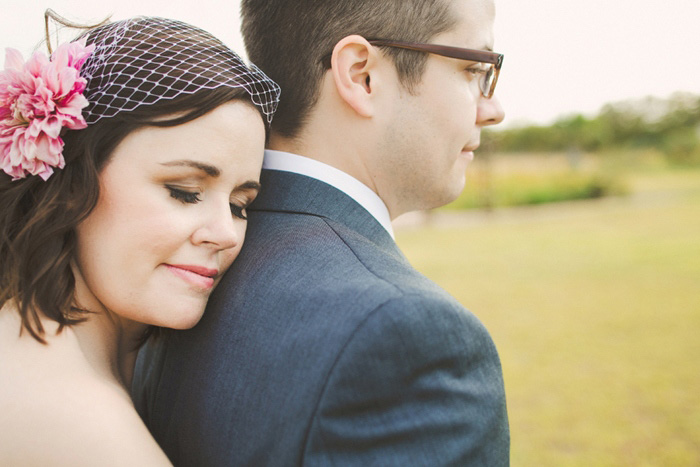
point(110, 345)
point(108, 341)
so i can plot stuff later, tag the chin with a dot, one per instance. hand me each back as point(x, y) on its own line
point(182, 319)
point(452, 191)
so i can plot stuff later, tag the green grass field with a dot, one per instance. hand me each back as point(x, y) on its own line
point(595, 309)
point(527, 179)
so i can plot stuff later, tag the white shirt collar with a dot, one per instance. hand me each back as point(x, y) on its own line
point(361, 193)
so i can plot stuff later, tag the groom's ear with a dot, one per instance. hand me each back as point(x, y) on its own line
point(355, 71)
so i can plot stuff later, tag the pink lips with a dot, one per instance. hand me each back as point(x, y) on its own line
point(468, 151)
point(198, 276)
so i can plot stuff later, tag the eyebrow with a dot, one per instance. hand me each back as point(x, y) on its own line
point(211, 171)
point(206, 168)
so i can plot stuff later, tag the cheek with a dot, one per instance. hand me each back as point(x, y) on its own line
point(126, 236)
point(147, 222)
point(227, 257)
point(458, 100)
point(98, 237)
point(464, 108)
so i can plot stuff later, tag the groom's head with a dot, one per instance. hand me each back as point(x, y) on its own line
point(289, 39)
point(404, 122)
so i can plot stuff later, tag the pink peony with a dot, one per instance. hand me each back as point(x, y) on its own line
point(37, 100)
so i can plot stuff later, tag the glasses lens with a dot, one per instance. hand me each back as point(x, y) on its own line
point(487, 81)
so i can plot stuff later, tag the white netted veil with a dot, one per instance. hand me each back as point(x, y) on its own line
point(144, 60)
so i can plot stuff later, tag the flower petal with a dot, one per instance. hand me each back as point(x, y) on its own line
point(13, 59)
point(38, 98)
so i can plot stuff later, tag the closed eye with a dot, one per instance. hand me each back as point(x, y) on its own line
point(239, 211)
point(184, 196)
point(245, 195)
point(475, 70)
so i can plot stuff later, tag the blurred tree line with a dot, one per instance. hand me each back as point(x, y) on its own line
point(672, 126)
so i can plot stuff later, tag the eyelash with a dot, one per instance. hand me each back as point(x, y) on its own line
point(238, 211)
point(183, 196)
point(476, 71)
point(188, 197)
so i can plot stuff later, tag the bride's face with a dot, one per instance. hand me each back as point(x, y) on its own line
point(171, 217)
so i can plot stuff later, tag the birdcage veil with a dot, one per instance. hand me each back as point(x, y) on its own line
point(141, 61)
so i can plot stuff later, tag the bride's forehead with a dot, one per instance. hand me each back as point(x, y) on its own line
point(226, 142)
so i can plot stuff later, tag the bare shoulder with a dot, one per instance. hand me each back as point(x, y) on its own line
point(54, 411)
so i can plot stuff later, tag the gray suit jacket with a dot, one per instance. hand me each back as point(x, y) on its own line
point(323, 346)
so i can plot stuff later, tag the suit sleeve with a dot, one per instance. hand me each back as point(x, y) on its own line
point(418, 383)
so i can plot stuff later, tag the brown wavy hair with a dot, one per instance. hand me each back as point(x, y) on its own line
point(38, 218)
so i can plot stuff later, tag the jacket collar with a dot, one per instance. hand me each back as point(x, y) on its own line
point(290, 192)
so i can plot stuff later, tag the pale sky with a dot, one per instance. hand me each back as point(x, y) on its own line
point(561, 56)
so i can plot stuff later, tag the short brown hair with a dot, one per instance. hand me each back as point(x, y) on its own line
point(38, 218)
point(288, 39)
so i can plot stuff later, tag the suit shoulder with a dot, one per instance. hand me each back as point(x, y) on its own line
point(425, 374)
point(426, 322)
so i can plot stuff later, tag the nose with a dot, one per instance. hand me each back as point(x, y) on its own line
point(220, 229)
point(489, 112)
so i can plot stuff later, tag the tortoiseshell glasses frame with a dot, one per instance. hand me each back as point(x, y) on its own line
point(487, 85)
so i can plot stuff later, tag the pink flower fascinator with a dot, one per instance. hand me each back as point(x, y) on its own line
point(39, 98)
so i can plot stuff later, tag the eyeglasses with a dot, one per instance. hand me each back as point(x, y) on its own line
point(488, 78)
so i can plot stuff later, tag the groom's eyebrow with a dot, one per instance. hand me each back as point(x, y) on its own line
point(206, 168)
